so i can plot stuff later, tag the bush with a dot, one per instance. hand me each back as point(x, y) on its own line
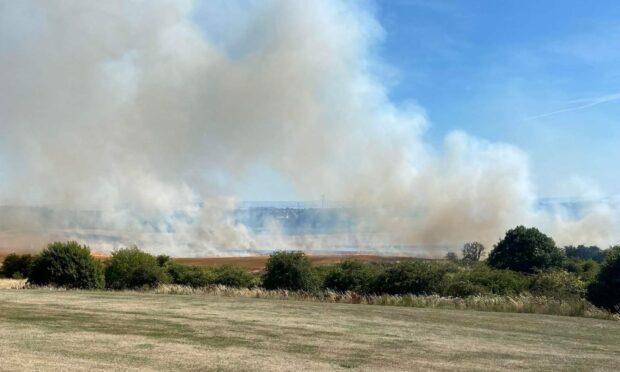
point(192, 276)
point(484, 280)
point(290, 270)
point(133, 268)
point(605, 290)
point(351, 276)
point(557, 284)
point(526, 250)
point(16, 266)
point(234, 276)
point(67, 265)
point(585, 270)
point(413, 277)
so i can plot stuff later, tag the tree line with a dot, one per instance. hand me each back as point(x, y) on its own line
point(524, 261)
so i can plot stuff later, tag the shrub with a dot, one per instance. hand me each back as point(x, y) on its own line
point(413, 277)
point(234, 276)
point(351, 276)
point(133, 268)
point(473, 251)
point(557, 284)
point(290, 270)
point(605, 290)
point(585, 270)
point(67, 265)
point(192, 276)
point(483, 280)
point(463, 288)
point(525, 250)
point(16, 266)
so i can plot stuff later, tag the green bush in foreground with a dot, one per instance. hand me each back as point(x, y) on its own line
point(484, 280)
point(411, 277)
point(16, 266)
point(131, 268)
point(557, 284)
point(351, 276)
point(67, 265)
point(192, 276)
point(234, 276)
point(605, 290)
point(526, 250)
point(290, 270)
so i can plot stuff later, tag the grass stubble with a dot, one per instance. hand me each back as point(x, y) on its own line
point(43, 329)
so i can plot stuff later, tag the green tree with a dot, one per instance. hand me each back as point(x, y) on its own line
point(133, 268)
point(16, 265)
point(290, 270)
point(605, 290)
point(526, 250)
point(67, 265)
point(473, 251)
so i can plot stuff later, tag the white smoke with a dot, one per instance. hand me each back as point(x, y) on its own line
point(143, 112)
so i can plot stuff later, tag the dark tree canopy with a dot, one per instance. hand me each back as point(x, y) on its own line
point(16, 265)
point(605, 290)
point(582, 252)
point(525, 250)
point(473, 251)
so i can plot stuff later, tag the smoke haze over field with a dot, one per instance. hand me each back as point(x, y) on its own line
point(147, 116)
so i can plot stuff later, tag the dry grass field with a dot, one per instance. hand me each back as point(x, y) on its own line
point(81, 330)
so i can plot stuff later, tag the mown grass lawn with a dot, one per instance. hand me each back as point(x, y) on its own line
point(81, 330)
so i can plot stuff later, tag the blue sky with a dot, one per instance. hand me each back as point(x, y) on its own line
point(499, 69)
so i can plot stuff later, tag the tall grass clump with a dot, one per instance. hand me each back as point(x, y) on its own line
point(511, 304)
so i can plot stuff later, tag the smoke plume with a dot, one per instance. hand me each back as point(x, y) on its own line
point(146, 116)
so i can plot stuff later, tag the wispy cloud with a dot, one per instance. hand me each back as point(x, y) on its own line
point(579, 105)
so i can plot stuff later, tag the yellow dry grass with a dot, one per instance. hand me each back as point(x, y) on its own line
point(97, 330)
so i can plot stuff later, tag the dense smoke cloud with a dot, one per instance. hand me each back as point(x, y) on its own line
point(144, 112)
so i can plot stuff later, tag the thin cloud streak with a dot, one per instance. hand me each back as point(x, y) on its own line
point(590, 102)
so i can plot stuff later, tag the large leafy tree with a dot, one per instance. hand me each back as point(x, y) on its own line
point(605, 290)
point(525, 250)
